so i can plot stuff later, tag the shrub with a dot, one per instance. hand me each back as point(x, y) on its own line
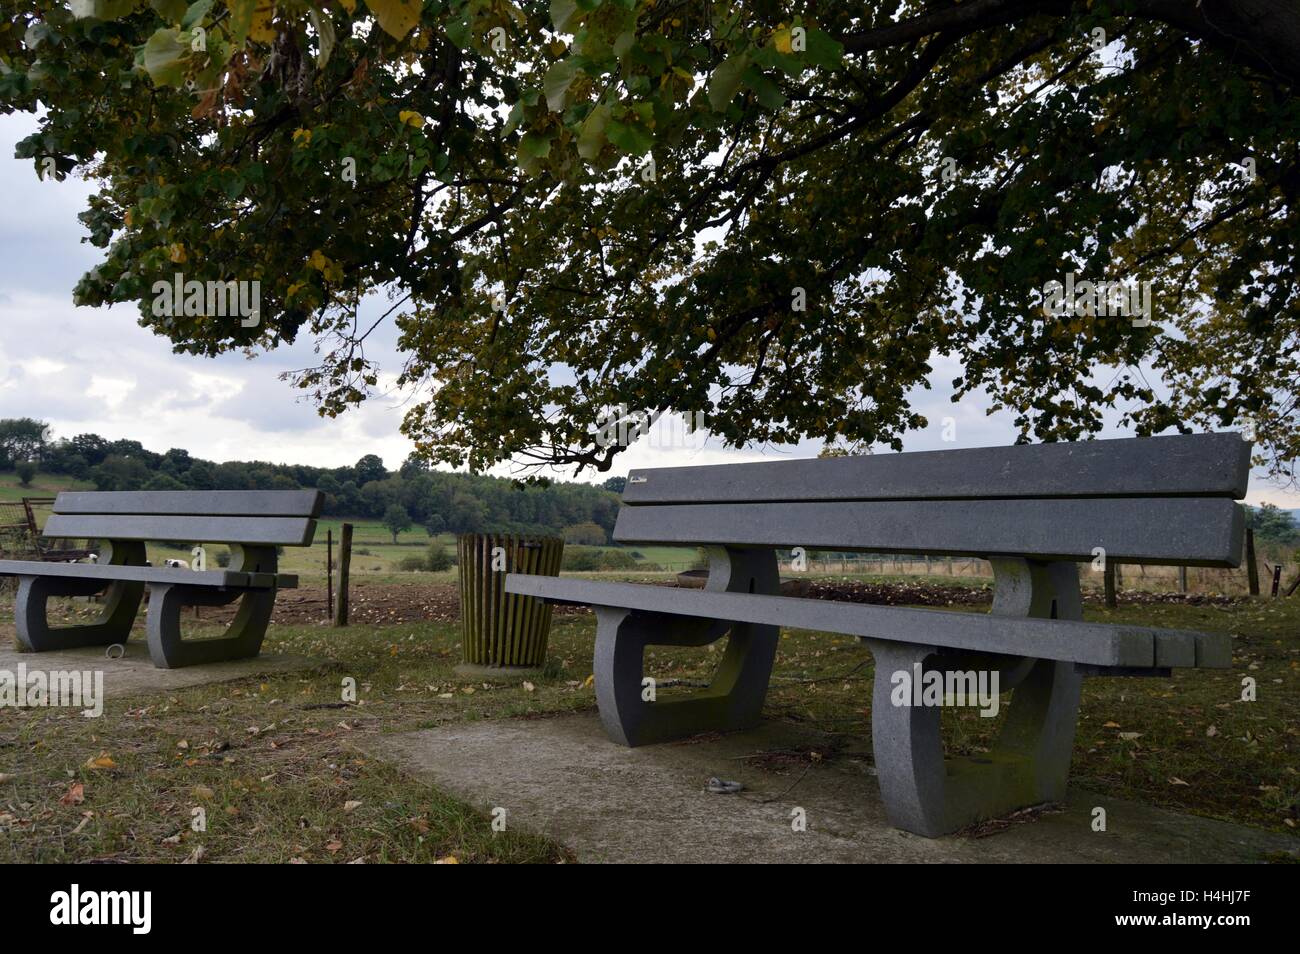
point(589, 559)
point(412, 564)
point(223, 558)
point(438, 559)
point(26, 470)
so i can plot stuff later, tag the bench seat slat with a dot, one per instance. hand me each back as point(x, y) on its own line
point(1097, 644)
point(286, 531)
point(226, 579)
point(1191, 465)
point(211, 503)
point(1194, 531)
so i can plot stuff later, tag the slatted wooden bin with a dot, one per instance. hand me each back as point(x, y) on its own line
point(503, 630)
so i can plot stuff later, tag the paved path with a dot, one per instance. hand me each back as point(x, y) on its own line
point(561, 777)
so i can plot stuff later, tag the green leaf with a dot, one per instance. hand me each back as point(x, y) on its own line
point(591, 137)
point(458, 31)
point(556, 83)
point(535, 145)
point(824, 50)
point(397, 17)
point(631, 138)
point(196, 12)
point(765, 88)
point(170, 10)
point(241, 19)
point(725, 81)
point(563, 13)
point(166, 55)
point(533, 148)
point(101, 9)
point(325, 36)
point(514, 119)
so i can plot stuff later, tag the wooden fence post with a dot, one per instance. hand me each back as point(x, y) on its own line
point(1182, 579)
point(329, 573)
point(1277, 579)
point(1109, 584)
point(1252, 568)
point(345, 565)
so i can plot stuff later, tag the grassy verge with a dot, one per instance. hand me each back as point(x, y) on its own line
point(275, 767)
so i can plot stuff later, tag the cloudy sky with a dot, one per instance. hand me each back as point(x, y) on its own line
point(96, 370)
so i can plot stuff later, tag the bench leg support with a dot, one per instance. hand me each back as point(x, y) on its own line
point(632, 711)
point(243, 638)
point(931, 796)
point(121, 603)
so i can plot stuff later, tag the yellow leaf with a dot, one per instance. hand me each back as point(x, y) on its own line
point(397, 17)
point(449, 860)
point(301, 137)
point(261, 30)
point(411, 118)
point(176, 252)
point(102, 762)
point(782, 41)
point(318, 261)
point(589, 681)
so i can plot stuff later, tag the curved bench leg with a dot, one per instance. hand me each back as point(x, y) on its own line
point(121, 603)
point(734, 698)
point(1030, 763)
point(243, 637)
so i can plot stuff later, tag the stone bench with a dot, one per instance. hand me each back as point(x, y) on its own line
point(1034, 512)
point(253, 523)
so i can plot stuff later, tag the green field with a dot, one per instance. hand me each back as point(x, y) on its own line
point(43, 485)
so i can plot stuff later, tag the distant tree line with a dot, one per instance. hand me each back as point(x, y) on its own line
point(414, 495)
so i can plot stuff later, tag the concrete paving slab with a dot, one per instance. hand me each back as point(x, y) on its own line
point(561, 777)
point(134, 672)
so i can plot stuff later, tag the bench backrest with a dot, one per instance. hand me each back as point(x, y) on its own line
point(1141, 500)
point(250, 517)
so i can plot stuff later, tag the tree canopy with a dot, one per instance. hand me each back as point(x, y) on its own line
point(772, 213)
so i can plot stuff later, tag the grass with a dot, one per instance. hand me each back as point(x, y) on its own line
point(275, 764)
point(42, 485)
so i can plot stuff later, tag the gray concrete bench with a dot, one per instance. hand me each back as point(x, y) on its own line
point(253, 523)
point(1034, 512)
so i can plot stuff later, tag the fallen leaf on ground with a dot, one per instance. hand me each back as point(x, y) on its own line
point(75, 795)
